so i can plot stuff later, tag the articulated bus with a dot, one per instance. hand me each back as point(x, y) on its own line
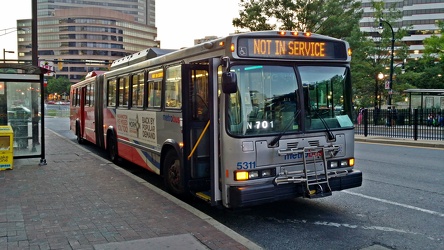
point(238, 121)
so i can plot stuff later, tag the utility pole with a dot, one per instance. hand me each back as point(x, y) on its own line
point(34, 41)
point(4, 54)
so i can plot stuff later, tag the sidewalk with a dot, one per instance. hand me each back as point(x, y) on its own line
point(81, 201)
point(400, 141)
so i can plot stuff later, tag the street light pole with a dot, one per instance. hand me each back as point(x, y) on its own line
point(380, 77)
point(4, 54)
point(389, 101)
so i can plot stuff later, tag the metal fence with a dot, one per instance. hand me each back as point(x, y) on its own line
point(57, 112)
point(422, 124)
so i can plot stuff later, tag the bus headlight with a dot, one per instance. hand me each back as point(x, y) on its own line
point(254, 174)
point(342, 163)
point(266, 173)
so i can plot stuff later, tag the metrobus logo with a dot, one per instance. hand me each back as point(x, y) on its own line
point(297, 156)
point(171, 118)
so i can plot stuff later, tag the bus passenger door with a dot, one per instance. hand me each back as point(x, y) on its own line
point(98, 110)
point(82, 111)
point(196, 120)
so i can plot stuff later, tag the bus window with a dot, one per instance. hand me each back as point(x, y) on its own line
point(123, 91)
point(137, 94)
point(112, 84)
point(74, 98)
point(200, 95)
point(234, 113)
point(173, 88)
point(87, 94)
point(78, 92)
point(91, 94)
point(219, 81)
point(154, 94)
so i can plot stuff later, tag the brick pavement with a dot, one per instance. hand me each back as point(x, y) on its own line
point(81, 201)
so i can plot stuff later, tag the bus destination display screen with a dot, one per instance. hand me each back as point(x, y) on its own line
point(291, 48)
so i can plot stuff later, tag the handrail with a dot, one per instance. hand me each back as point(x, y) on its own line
point(198, 140)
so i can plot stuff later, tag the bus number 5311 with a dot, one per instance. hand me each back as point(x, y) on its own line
point(246, 165)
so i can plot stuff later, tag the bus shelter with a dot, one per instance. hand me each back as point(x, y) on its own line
point(22, 108)
point(426, 98)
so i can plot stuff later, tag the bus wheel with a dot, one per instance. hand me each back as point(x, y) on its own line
point(112, 149)
point(79, 137)
point(173, 174)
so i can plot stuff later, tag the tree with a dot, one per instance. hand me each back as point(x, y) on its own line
point(334, 18)
point(340, 19)
point(431, 65)
point(434, 45)
point(253, 17)
point(427, 72)
point(372, 55)
point(58, 85)
point(363, 69)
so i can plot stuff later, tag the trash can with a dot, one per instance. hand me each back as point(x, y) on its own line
point(6, 147)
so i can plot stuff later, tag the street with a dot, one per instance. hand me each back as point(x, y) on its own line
point(399, 206)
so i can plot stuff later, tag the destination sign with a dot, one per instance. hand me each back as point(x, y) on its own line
point(291, 48)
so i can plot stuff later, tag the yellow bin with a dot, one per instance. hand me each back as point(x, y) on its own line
point(6, 147)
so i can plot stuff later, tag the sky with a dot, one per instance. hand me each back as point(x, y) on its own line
point(176, 27)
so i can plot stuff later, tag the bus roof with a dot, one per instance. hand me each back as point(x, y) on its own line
point(94, 73)
point(139, 57)
point(310, 45)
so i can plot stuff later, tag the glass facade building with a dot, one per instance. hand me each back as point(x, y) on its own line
point(421, 15)
point(83, 36)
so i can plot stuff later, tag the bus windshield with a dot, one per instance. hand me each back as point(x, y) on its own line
point(268, 101)
point(265, 101)
point(323, 89)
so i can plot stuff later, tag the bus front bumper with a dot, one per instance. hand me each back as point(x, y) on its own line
point(244, 196)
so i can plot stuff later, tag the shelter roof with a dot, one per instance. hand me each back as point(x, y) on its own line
point(24, 68)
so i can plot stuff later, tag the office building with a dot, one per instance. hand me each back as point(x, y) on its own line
point(82, 36)
point(421, 15)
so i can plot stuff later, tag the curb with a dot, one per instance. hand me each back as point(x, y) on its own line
point(401, 142)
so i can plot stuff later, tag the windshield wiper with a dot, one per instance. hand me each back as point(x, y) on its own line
point(279, 136)
point(330, 134)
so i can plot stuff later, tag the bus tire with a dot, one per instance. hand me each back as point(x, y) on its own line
point(112, 148)
point(79, 137)
point(173, 174)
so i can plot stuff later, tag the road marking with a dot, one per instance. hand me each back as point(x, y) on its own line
point(395, 203)
point(339, 225)
point(379, 228)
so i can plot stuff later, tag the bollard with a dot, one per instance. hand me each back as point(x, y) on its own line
point(415, 124)
point(365, 111)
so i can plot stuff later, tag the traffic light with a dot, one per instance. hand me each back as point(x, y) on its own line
point(60, 64)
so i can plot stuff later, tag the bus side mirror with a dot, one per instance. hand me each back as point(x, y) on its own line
point(229, 82)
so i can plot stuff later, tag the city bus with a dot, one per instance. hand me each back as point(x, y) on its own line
point(238, 121)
